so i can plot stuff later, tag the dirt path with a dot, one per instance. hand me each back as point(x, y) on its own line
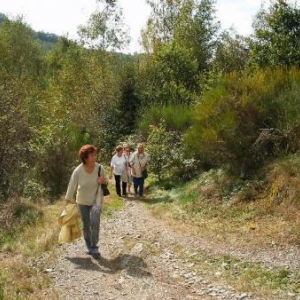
point(143, 258)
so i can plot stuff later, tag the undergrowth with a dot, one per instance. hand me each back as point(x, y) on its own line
point(245, 214)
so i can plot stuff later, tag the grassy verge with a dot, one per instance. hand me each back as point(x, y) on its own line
point(236, 214)
point(276, 283)
point(28, 230)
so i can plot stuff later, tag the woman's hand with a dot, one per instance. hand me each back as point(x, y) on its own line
point(133, 171)
point(102, 180)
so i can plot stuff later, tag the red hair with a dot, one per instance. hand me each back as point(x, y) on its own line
point(85, 150)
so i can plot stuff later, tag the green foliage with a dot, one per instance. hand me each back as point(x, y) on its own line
point(173, 120)
point(105, 28)
point(121, 116)
point(20, 57)
point(168, 155)
point(20, 214)
point(2, 286)
point(129, 103)
point(33, 190)
point(181, 37)
point(2, 17)
point(277, 36)
point(19, 86)
point(232, 53)
point(160, 145)
point(53, 169)
point(27, 214)
point(196, 29)
point(229, 117)
point(47, 37)
point(175, 76)
point(51, 105)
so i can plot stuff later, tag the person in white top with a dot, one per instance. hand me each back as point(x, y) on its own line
point(139, 162)
point(117, 168)
point(89, 197)
point(126, 176)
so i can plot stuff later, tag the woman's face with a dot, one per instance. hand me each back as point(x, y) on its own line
point(141, 149)
point(91, 159)
point(120, 152)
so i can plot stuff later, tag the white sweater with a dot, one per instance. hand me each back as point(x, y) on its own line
point(138, 162)
point(86, 185)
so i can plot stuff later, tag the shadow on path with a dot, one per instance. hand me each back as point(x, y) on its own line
point(134, 265)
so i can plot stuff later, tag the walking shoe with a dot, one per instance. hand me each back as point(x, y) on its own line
point(89, 251)
point(96, 253)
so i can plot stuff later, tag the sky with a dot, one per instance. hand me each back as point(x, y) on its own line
point(63, 17)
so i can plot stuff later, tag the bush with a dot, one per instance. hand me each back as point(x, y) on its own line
point(54, 167)
point(168, 156)
point(34, 190)
point(173, 120)
point(229, 118)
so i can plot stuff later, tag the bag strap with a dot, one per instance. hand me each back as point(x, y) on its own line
point(140, 162)
point(99, 171)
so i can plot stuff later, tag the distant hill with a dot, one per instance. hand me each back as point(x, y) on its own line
point(2, 17)
point(47, 40)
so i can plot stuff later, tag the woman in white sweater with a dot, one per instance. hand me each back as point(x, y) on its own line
point(86, 183)
point(117, 168)
point(139, 162)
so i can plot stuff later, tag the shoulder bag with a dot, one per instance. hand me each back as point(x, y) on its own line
point(104, 187)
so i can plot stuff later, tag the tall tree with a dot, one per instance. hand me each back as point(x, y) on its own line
point(20, 85)
point(105, 28)
point(180, 38)
point(277, 36)
point(232, 52)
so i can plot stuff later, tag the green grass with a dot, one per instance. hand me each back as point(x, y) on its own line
point(240, 214)
point(244, 275)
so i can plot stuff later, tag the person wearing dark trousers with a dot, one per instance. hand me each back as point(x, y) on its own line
point(138, 163)
point(117, 168)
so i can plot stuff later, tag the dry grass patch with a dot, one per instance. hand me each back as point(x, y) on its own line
point(28, 230)
point(239, 215)
point(242, 213)
point(33, 230)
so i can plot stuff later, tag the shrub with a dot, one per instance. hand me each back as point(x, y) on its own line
point(53, 168)
point(229, 118)
point(168, 156)
point(173, 120)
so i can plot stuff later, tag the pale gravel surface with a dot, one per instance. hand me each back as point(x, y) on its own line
point(143, 258)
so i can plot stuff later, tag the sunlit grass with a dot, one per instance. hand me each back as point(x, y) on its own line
point(240, 214)
point(34, 232)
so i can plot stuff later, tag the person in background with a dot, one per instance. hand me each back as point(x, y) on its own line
point(89, 198)
point(126, 176)
point(138, 163)
point(117, 168)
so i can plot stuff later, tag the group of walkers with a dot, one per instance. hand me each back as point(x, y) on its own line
point(126, 166)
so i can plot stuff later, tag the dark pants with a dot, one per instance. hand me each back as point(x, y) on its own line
point(118, 185)
point(138, 184)
point(91, 225)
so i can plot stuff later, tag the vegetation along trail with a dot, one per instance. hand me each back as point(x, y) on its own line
point(145, 257)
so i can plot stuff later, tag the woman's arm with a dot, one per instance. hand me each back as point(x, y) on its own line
point(73, 183)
